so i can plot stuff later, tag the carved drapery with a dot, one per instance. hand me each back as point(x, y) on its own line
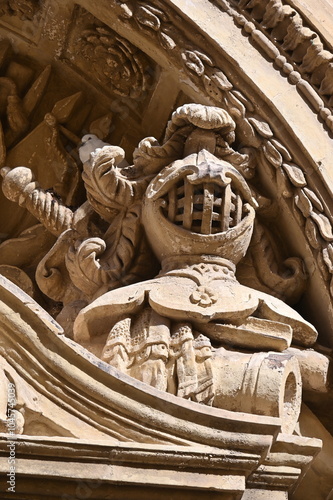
point(150, 265)
point(197, 214)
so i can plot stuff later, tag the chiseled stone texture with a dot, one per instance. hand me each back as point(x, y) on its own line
point(166, 252)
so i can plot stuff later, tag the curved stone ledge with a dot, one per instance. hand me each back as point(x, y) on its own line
point(74, 379)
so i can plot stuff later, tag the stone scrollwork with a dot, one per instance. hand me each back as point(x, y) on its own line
point(190, 201)
point(264, 269)
point(252, 128)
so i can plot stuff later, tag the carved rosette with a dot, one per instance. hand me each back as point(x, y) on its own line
point(110, 60)
point(116, 62)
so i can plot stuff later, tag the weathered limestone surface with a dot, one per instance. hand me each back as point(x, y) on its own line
point(166, 258)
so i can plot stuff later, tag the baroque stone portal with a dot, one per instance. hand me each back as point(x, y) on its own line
point(153, 308)
point(190, 200)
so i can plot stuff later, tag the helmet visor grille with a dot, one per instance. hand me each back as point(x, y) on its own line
point(206, 208)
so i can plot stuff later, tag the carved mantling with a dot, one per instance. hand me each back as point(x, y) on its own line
point(170, 269)
point(289, 167)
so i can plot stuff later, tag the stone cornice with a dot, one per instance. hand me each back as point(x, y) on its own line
point(32, 345)
point(299, 52)
point(91, 410)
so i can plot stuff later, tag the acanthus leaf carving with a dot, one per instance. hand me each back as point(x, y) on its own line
point(166, 26)
point(154, 341)
point(84, 266)
point(238, 104)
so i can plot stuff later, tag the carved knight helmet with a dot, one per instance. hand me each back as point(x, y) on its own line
point(200, 205)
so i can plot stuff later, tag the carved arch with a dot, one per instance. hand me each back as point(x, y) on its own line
point(190, 55)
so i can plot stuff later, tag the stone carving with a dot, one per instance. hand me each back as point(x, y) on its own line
point(198, 214)
point(151, 17)
point(296, 48)
point(196, 324)
point(109, 195)
point(291, 180)
point(55, 164)
point(21, 188)
point(87, 260)
point(284, 20)
point(113, 61)
point(17, 107)
point(254, 131)
point(160, 331)
point(265, 269)
point(80, 405)
point(26, 9)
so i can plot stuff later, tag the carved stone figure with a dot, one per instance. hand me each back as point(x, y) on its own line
point(147, 285)
point(198, 213)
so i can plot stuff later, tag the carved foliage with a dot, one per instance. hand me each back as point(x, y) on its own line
point(112, 61)
point(151, 17)
point(285, 37)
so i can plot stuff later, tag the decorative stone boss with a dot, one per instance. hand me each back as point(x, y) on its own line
point(174, 331)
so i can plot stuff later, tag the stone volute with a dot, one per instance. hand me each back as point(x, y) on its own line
point(148, 347)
